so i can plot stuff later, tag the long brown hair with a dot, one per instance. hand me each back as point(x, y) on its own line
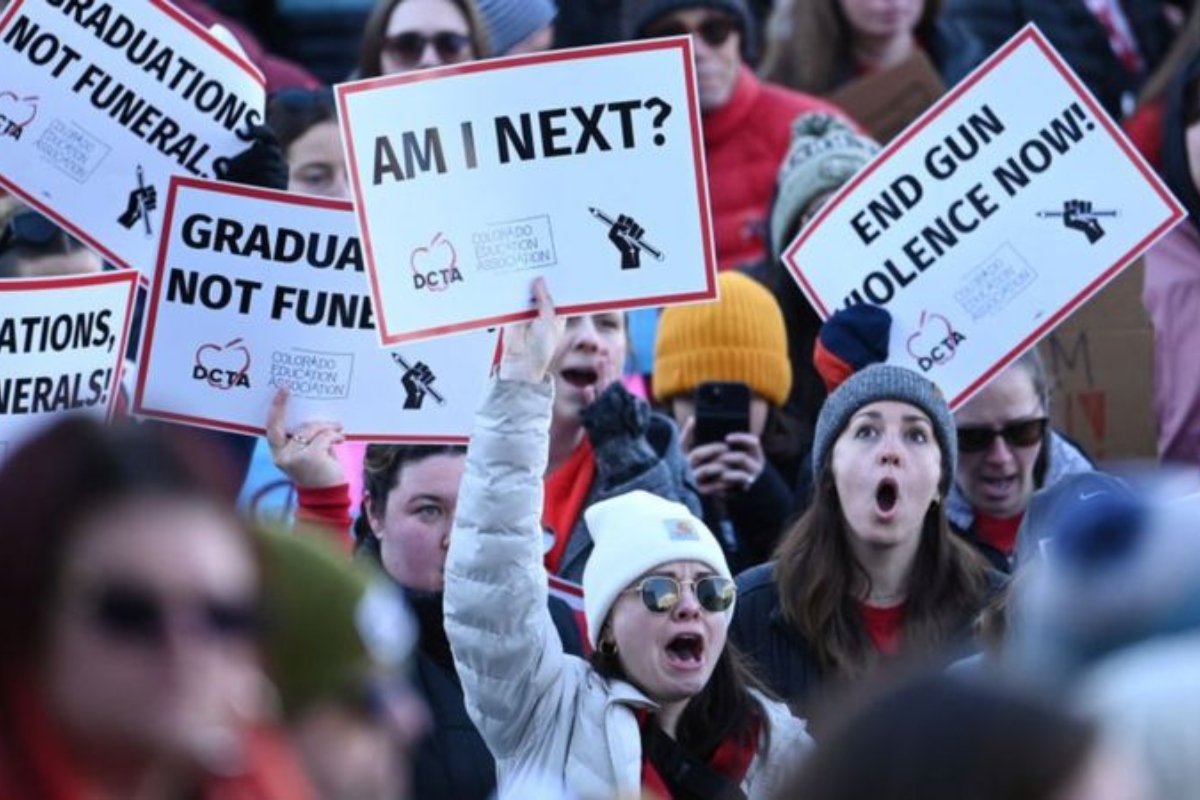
point(820, 586)
point(375, 32)
point(809, 44)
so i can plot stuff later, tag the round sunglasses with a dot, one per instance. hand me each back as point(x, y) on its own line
point(1026, 433)
point(661, 593)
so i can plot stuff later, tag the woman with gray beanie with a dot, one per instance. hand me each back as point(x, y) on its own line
point(871, 572)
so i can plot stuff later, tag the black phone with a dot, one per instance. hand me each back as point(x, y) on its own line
point(722, 408)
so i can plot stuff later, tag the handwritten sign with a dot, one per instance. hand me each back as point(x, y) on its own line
point(583, 166)
point(257, 290)
point(101, 102)
point(988, 221)
point(62, 345)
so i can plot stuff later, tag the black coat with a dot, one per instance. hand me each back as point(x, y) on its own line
point(452, 761)
point(1076, 34)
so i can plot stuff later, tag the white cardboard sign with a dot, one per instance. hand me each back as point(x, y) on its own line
point(584, 166)
point(62, 347)
point(257, 290)
point(101, 102)
point(1002, 209)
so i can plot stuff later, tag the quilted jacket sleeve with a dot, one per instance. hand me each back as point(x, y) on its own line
point(517, 682)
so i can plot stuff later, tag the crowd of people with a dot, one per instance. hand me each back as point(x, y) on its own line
point(798, 572)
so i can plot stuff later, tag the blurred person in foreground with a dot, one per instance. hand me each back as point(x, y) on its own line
point(936, 737)
point(130, 611)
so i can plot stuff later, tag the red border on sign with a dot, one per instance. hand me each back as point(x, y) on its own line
point(92, 279)
point(154, 297)
point(197, 30)
point(1029, 35)
point(681, 43)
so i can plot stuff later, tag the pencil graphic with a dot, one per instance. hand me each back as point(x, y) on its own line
point(642, 245)
point(399, 359)
point(145, 212)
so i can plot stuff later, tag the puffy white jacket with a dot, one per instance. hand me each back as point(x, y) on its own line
point(541, 712)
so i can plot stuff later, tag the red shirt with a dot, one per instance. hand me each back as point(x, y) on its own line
point(885, 626)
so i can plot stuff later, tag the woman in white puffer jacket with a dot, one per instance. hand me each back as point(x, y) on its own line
point(663, 706)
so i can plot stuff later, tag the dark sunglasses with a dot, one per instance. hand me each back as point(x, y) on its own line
point(661, 593)
point(408, 47)
point(715, 31)
point(33, 230)
point(136, 614)
point(1026, 433)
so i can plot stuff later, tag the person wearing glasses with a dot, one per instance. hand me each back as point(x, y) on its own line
point(663, 706)
point(871, 574)
point(747, 123)
point(407, 35)
point(1006, 451)
point(130, 609)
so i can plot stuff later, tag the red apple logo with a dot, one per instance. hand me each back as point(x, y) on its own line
point(223, 366)
point(19, 111)
point(934, 342)
point(435, 267)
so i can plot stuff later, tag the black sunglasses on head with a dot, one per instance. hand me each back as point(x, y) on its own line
point(408, 47)
point(134, 613)
point(1026, 433)
point(715, 31)
point(661, 593)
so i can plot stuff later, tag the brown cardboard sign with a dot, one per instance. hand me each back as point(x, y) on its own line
point(1101, 370)
point(886, 102)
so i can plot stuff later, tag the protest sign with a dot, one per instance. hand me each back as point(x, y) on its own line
point(988, 221)
point(99, 105)
point(62, 344)
point(583, 166)
point(256, 290)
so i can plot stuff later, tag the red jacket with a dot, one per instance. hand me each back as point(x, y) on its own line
point(744, 143)
point(35, 761)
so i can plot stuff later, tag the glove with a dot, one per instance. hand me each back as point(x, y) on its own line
point(616, 424)
point(262, 164)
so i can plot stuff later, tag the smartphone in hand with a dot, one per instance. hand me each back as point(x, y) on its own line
point(722, 408)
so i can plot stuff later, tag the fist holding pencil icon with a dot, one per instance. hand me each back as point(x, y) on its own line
point(626, 236)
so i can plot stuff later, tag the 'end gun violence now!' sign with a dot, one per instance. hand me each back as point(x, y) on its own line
point(585, 167)
point(257, 290)
point(1005, 207)
point(100, 102)
point(62, 344)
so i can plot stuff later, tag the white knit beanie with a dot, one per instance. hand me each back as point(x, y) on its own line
point(632, 534)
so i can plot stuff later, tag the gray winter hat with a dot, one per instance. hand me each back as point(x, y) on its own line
point(510, 22)
point(885, 382)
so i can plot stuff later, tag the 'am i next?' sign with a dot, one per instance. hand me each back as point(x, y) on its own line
point(1002, 209)
point(585, 167)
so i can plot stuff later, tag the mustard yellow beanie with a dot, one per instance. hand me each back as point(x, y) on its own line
point(740, 338)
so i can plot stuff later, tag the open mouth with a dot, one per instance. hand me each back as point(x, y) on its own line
point(886, 495)
point(580, 376)
point(686, 648)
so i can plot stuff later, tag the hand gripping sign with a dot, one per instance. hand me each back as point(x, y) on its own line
point(62, 346)
point(100, 102)
point(987, 221)
point(584, 166)
point(257, 290)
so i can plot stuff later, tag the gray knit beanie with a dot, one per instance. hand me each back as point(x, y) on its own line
point(510, 22)
point(636, 16)
point(885, 382)
point(825, 153)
